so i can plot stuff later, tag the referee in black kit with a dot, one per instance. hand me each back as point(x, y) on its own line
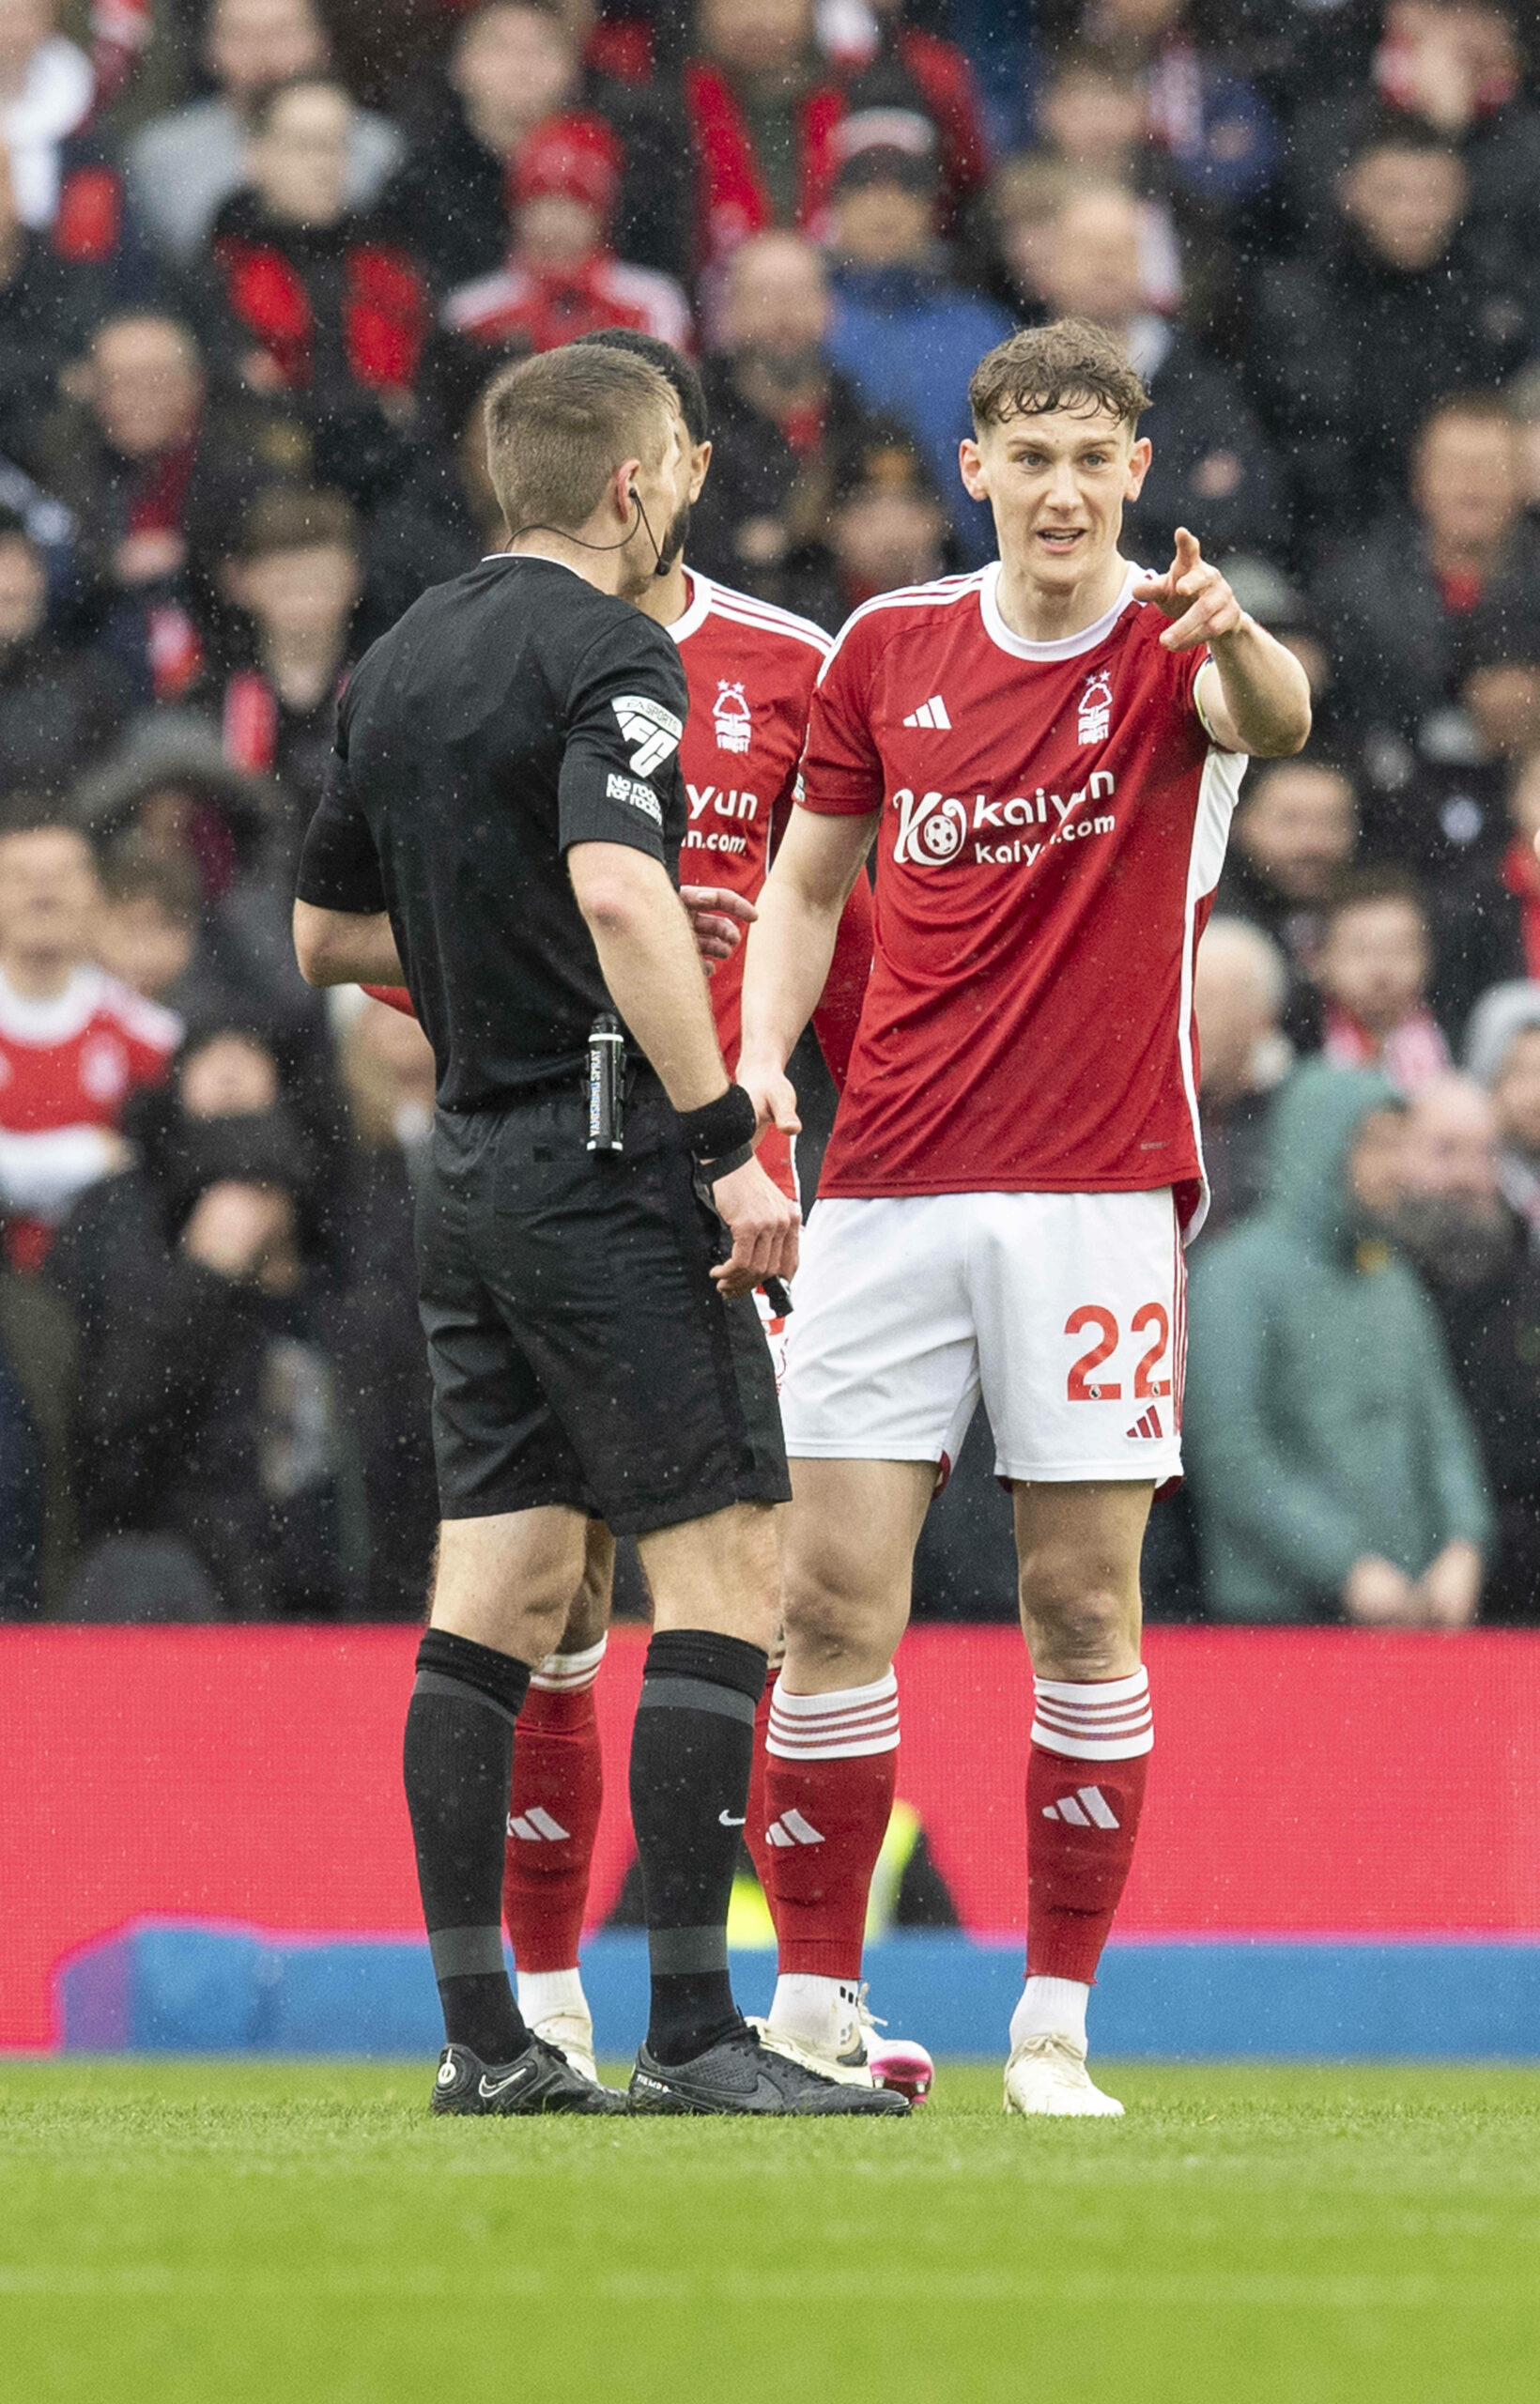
point(500, 831)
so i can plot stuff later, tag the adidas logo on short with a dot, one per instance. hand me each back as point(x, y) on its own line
point(791, 1829)
point(1089, 1809)
point(930, 713)
point(537, 1826)
point(1148, 1425)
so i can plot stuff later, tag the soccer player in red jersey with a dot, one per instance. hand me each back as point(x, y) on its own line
point(1047, 754)
point(750, 668)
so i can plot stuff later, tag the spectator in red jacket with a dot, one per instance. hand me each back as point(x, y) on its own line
point(319, 303)
point(73, 1042)
point(561, 278)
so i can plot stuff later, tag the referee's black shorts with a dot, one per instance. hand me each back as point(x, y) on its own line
point(580, 1354)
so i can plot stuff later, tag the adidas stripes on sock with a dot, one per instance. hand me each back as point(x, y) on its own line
point(831, 1765)
point(1084, 1792)
point(457, 1761)
point(553, 1812)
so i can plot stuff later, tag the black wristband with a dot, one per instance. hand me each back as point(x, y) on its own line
point(724, 1163)
point(720, 1126)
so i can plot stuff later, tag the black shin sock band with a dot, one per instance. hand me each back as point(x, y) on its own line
point(690, 1756)
point(457, 1761)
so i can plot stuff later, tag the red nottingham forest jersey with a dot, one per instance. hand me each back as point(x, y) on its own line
point(1054, 821)
point(750, 668)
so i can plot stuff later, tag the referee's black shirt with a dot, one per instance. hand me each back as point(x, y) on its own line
point(507, 716)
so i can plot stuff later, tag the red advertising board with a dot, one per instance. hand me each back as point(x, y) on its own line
point(1306, 1784)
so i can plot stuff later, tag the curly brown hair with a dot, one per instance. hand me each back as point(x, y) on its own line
point(1070, 364)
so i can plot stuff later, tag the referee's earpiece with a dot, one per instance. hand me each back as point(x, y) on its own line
point(660, 566)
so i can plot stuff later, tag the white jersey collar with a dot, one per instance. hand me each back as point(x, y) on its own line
point(1072, 646)
point(59, 1018)
point(697, 609)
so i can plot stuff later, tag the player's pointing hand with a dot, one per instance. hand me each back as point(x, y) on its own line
point(1193, 592)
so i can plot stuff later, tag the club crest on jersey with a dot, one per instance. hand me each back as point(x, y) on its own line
point(731, 717)
point(1096, 707)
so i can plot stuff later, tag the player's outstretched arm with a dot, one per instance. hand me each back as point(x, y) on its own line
point(786, 962)
point(1254, 694)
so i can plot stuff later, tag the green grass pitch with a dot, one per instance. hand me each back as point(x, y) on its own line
point(300, 2233)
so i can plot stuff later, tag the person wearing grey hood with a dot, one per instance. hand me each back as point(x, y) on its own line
point(1502, 1053)
point(1334, 1467)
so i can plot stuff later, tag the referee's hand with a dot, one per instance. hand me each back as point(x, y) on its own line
point(764, 1223)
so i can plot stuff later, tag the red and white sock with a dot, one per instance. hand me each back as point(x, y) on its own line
point(831, 1765)
point(1084, 1791)
point(553, 1814)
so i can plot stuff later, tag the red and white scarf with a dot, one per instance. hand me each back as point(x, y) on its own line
point(735, 202)
point(1412, 1055)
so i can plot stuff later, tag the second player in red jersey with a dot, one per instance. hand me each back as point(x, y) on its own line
point(750, 669)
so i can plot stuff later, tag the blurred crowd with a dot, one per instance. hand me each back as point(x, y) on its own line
point(258, 261)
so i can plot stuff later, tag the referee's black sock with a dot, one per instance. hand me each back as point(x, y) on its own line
point(690, 1756)
point(457, 1761)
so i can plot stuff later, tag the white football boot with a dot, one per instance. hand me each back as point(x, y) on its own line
point(837, 2046)
point(1047, 2074)
point(571, 2034)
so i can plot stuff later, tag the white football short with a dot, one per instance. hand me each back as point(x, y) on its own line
point(1066, 1312)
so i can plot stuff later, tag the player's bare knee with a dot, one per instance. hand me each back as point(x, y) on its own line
point(835, 1623)
point(1078, 1625)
